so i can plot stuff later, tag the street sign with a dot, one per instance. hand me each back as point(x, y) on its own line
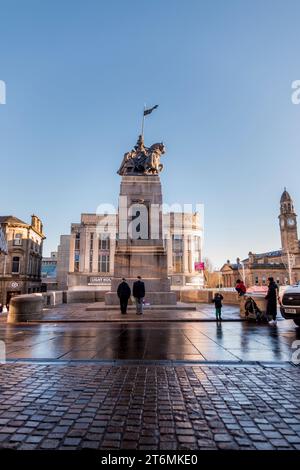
point(98, 281)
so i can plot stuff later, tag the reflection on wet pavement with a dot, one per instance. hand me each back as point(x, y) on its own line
point(152, 341)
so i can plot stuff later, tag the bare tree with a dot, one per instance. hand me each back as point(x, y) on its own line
point(208, 272)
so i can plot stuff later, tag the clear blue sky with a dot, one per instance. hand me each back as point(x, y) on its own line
point(79, 72)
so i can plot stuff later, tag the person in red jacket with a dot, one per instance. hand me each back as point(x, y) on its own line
point(240, 287)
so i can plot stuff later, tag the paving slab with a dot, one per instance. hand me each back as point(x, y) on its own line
point(99, 312)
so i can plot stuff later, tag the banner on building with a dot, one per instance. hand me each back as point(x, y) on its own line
point(199, 266)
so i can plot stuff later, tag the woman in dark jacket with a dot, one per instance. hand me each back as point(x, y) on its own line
point(271, 297)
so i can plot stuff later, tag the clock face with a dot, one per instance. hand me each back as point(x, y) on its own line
point(291, 222)
point(282, 223)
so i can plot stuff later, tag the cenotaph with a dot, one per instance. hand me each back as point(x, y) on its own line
point(140, 249)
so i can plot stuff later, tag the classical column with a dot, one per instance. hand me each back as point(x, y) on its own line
point(95, 252)
point(112, 247)
point(84, 251)
point(185, 254)
point(72, 253)
point(170, 255)
point(191, 254)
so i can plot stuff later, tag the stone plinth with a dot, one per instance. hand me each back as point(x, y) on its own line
point(24, 308)
point(145, 256)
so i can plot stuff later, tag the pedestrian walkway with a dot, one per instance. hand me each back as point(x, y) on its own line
point(99, 312)
point(98, 406)
point(171, 341)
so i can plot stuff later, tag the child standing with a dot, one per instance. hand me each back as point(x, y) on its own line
point(217, 300)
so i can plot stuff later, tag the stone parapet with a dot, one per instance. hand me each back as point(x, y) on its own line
point(153, 298)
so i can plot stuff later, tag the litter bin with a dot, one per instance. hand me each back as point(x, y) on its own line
point(24, 308)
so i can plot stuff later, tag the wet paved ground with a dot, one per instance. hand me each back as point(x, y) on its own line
point(231, 341)
point(122, 385)
point(149, 407)
point(98, 312)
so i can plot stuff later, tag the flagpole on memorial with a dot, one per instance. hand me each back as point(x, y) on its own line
point(145, 113)
point(143, 121)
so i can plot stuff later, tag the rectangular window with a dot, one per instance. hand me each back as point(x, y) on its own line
point(177, 247)
point(15, 265)
point(76, 261)
point(91, 252)
point(17, 239)
point(104, 242)
point(103, 263)
point(177, 241)
point(197, 248)
point(77, 241)
point(177, 263)
point(77, 252)
point(91, 241)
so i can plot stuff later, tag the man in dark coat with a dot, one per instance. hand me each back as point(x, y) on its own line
point(124, 293)
point(272, 300)
point(139, 293)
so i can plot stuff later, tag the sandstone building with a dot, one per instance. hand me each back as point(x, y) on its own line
point(20, 268)
point(283, 265)
point(87, 261)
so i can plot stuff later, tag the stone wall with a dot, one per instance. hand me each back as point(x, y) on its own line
point(206, 296)
point(195, 295)
point(75, 296)
point(230, 297)
point(52, 298)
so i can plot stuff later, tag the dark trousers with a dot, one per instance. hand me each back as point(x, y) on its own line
point(123, 304)
point(218, 313)
point(272, 310)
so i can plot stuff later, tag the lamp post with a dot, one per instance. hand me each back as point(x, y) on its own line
point(240, 263)
point(289, 262)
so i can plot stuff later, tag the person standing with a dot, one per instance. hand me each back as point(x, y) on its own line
point(124, 292)
point(139, 294)
point(217, 300)
point(271, 297)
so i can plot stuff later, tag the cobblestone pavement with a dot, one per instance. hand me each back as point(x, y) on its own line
point(83, 405)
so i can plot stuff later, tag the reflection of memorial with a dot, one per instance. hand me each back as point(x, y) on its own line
point(140, 248)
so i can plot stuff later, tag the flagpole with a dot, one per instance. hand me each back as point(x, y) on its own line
point(143, 121)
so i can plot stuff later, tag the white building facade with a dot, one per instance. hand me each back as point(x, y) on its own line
point(91, 254)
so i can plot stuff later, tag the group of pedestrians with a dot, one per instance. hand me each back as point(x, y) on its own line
point(138, 292)
point(271, 297)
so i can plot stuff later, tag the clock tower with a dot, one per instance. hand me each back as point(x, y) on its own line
point(288, 224)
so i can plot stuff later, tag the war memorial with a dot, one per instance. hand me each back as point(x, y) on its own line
point(140, 249)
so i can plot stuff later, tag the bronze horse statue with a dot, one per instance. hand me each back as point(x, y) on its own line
point(143, 160)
